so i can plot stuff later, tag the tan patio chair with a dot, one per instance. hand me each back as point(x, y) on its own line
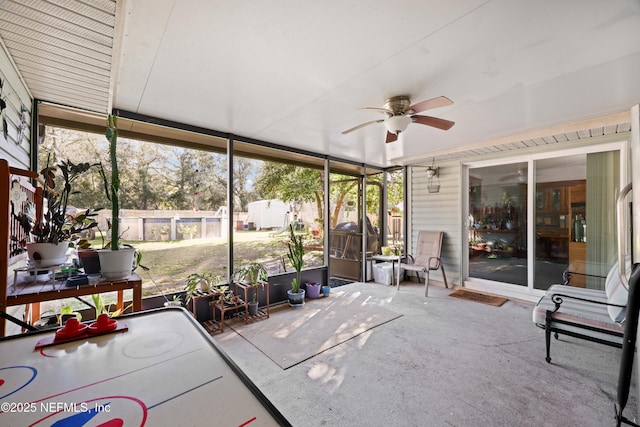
point(427, 257)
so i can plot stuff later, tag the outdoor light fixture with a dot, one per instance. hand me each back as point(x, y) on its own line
point(433, 172)
point(397, 124)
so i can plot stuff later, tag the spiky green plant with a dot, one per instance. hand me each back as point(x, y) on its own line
point(112, 188)
point(296, 254)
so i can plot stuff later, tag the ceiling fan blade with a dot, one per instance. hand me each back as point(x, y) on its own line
point(508, 177)
point(391, 137)
point(362, 125)
point(434, 122)
point(440, 101)
point(381, 110)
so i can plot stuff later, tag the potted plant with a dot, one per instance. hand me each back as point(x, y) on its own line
point(317, 227)
point(313, 289)
point(66, 313)
point(164, 232)
point(296, 257)
point(116, 262)
point(326, 290)
point(87, 256)
point(204, 281)
point(51, 231)
point(252, 273)
point(176, 301)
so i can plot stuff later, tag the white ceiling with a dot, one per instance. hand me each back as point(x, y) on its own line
point(295, 73)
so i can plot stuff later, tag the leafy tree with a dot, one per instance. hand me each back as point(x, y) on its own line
point(212, 185)
point(290, 183)
point(244, 171)
point(156, 176)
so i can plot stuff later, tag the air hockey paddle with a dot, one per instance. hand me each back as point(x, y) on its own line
point(76, 331)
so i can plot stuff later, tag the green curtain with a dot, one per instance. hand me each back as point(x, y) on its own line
point(603, 187)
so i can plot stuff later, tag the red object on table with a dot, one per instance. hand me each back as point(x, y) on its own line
point(103, 324)
point(72, 328)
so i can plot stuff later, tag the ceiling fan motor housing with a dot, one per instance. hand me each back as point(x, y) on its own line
point(398, 104)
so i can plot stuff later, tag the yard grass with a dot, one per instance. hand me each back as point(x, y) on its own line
point(170, 262)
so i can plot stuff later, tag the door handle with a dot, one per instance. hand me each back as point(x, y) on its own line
point(621, 217)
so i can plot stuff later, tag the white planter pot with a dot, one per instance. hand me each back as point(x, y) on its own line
point(116, 265)
point(47, 254)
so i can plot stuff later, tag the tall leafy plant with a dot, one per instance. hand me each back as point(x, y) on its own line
point(56, 224)
point(296, 254)
point(112, 187)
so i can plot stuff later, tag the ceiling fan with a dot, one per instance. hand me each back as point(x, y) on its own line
point(400, 113)
point(520, 175)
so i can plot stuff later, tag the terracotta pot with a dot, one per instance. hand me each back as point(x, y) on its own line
point(90, 260)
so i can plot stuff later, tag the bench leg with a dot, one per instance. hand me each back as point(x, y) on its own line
point(547, 337)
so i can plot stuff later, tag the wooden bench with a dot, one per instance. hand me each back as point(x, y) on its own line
point(590, 314)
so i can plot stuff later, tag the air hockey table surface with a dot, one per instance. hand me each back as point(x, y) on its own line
point(164, 369)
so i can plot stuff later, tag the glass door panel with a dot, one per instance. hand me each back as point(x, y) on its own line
point(497, 226)
point(559, 197)
point(571, 192)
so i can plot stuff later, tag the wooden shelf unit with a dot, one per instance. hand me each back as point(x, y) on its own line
point(17, 289)
point(241, 309)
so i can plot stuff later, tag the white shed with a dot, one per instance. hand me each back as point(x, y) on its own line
point(267, 214)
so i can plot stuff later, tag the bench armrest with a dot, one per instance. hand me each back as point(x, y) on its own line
point(558, 299)
point(567, 274)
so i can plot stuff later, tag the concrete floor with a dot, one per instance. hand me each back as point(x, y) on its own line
point(445, 362)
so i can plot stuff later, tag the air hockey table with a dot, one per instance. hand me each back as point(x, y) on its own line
point(159, 367)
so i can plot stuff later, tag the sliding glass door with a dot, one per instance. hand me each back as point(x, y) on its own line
point(529, 222)
point(497, 227)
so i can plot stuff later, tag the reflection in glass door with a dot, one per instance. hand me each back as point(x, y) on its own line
point(574, 218)
point(559, 197)
point(497, 223)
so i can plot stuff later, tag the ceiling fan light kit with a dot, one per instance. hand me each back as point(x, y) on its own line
point(400, 113)
point(397, 124)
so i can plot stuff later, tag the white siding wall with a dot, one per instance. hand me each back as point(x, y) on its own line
point(438, 212)
point(15, 94)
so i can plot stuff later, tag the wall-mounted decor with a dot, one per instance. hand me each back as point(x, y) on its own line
point(23, 124)
point(3, 105)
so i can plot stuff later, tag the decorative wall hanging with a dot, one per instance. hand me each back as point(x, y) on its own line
point(23, 124)
point(3, 105)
